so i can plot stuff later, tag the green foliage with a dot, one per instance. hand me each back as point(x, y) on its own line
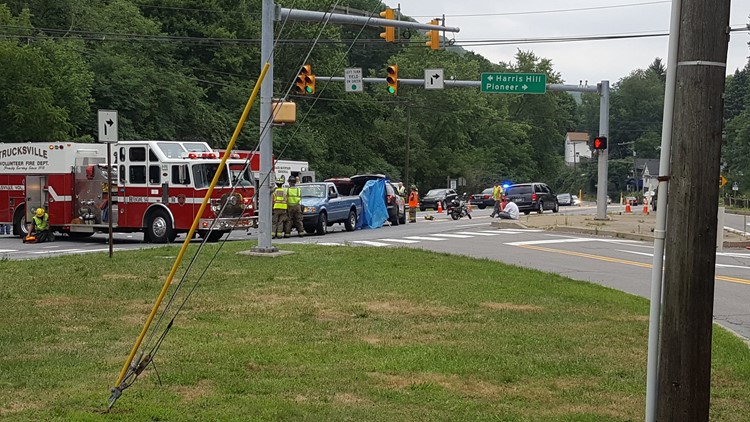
point(183, 69)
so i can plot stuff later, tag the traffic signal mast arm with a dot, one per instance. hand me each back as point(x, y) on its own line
point(312, 16)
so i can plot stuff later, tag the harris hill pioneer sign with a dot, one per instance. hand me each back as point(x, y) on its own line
point(514, 83)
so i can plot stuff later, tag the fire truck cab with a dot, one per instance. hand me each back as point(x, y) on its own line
point(157, 188)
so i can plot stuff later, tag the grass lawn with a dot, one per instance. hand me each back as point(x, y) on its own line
point(333, 333)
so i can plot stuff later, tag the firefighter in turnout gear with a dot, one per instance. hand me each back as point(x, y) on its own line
point(294, 209)
point(279, 208)
point(40, 227)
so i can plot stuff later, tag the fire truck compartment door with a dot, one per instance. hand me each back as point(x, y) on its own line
point(36, 196)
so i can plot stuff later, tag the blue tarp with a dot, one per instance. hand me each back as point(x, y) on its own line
point(374, 213)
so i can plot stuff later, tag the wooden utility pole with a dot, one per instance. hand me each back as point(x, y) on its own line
point(685, 349)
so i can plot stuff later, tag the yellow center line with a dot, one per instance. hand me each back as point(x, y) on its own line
point(622, 261)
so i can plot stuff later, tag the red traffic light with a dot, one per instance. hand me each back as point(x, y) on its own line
point(600, 142)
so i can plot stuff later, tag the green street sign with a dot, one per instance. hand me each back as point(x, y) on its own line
point(514, 83)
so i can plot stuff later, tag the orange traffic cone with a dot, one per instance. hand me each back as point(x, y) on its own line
point(440, 207)
point(627, 207)
point(645, 207)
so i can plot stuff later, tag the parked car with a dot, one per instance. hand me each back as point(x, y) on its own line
point(574, 199)
point(323, 206)
point(393, 203)
point(564, 199)
point(433, 196)
point(483, 200)
point(532, 197)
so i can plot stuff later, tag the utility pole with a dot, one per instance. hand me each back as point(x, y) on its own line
point(408, 141)
point(684, 367)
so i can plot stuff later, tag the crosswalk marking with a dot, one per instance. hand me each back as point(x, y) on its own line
point(494, 233)
point(502, 231)
point(370, 243)
point(425, 238)
point(400, 240)
point(456, 236)
point(329, 244)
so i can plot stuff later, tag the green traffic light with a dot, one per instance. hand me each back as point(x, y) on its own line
point(391, 90)
point(308, 90)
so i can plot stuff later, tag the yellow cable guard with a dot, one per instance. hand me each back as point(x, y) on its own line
point(118, 388)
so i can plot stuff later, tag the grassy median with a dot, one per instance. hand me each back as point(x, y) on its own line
point(333, 333)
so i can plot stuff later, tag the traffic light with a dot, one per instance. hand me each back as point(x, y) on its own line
point(392, 79)
point(434, 42)
point(390, 32)
point(600, 142)
point(305, 82)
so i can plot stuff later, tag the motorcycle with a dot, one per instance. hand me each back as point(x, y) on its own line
point(457, 208)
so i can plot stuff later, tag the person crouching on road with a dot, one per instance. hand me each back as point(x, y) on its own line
point(40, 227)
point(413, 204)
point(279, 208)
point(293, 210)
point(510, 212)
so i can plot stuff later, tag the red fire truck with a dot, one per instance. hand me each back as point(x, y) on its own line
point(157, 188)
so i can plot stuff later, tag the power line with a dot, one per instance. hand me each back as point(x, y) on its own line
point(538, 12)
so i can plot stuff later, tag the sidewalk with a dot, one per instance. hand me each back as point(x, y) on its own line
point(634, 226)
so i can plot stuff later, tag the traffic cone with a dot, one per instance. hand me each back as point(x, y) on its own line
point(627, 207)
point(440, 207)
point(645, 207)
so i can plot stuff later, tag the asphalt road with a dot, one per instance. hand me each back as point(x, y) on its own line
point(617, 263)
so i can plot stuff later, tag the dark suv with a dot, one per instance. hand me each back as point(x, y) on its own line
point(532, 197)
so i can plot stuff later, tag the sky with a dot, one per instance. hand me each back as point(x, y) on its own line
point(591, 61)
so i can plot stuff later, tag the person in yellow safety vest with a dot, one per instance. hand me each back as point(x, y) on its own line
point(293, 210)
point(413, 204)
point(40, 227)
point(497, 195)
point(279, 208)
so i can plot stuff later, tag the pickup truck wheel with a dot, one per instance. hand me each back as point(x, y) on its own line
point(322, 224)
point(395, 219)
point(351, 222)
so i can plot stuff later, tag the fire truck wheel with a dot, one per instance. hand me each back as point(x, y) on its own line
point(213, 236)
point(78, 235)
point(160, 227)
point(19, 228)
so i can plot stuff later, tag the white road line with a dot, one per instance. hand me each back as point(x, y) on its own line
point(733, 254)
point(502, 231)
point(369, 243)
point(330, 244)
point(56, 252)
point(635, 253)
point(425, 238)
point(472, 225)
point(8, 250)
point(400, 240)
point(521, 230)
point(745, 267)
point(495, 233)
point(456, 236)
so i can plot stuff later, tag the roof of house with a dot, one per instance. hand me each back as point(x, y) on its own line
point(651, 163)
point(578, 136)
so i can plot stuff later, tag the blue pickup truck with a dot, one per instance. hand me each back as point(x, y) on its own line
point(323, 206)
